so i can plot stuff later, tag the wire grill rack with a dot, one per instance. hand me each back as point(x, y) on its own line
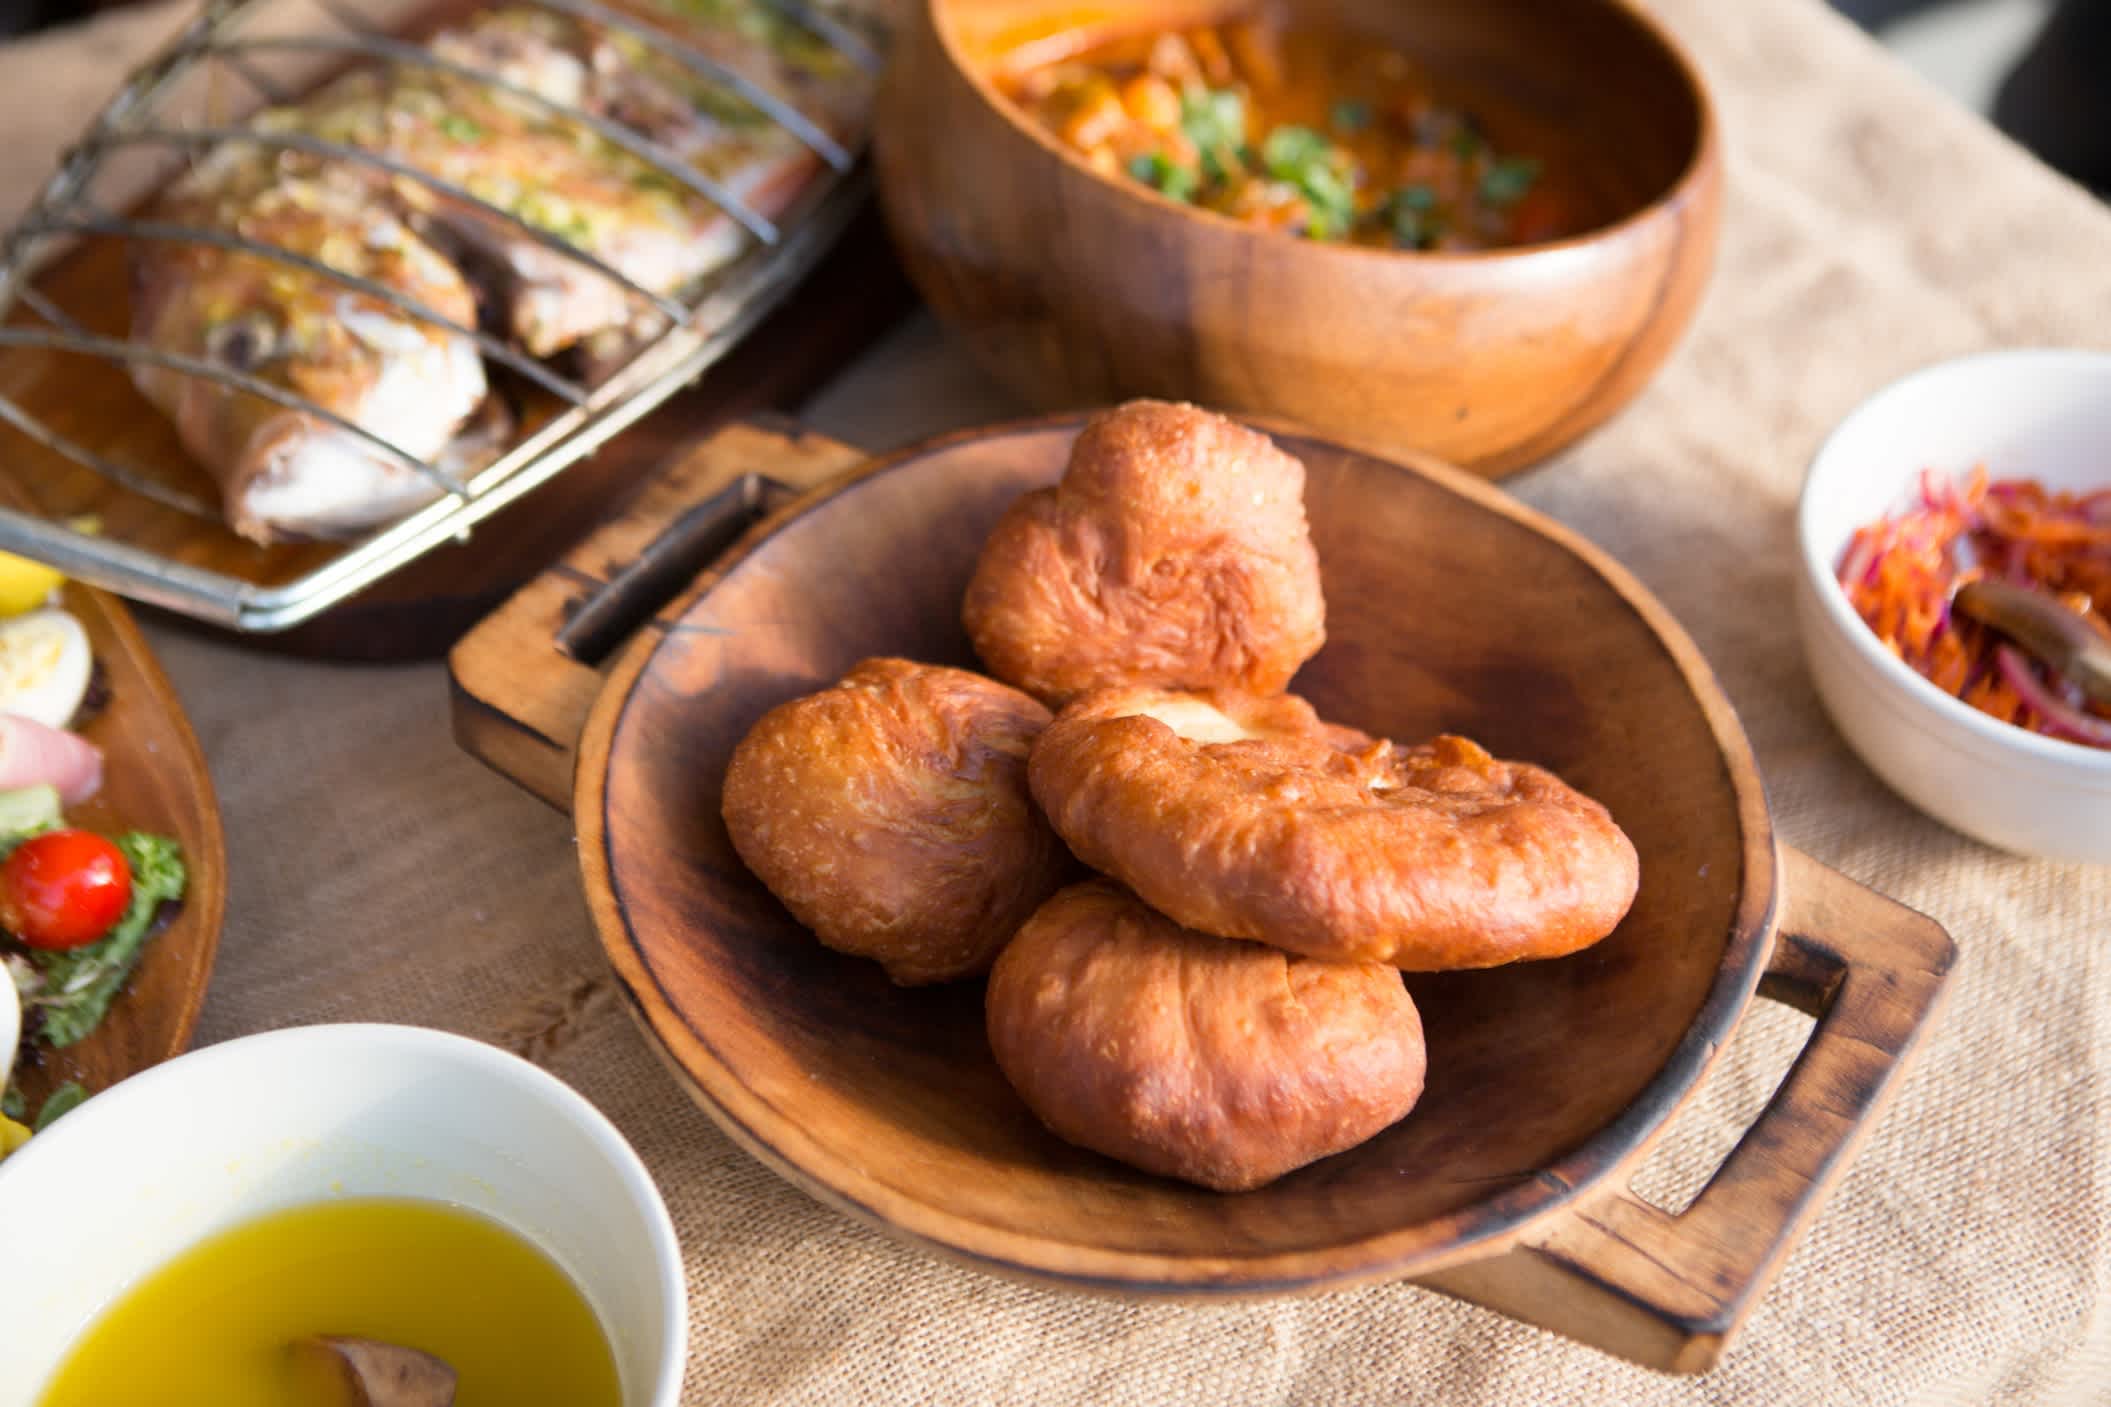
point(701, 324)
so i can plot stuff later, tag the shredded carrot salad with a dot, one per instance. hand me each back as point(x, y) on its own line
point(1901, 571)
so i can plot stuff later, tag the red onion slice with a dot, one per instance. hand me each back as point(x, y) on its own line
point(2060, 718)
point(1860, 562)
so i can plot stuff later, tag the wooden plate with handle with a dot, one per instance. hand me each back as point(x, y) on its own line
point(154, 779)
point(1449, 606)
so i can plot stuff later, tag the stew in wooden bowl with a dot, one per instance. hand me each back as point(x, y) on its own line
point(1468, 229)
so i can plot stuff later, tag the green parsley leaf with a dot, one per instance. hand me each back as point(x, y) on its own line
point(1164, 175)
point(1411, 214)
point(13, 1105)
point(1304, 159)
point(1333, 208)
point(60, 1102)
point(1407, 226)
point(460, 129)
point(1214, 120)
point(1349, 116)
point(1289, 152)
point(1506, 181)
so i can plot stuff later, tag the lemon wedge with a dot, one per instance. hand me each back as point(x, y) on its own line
point(25, 585)
point(44, 666)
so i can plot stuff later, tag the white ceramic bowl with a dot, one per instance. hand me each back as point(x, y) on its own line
point(2038, 414)
point(222, 1135)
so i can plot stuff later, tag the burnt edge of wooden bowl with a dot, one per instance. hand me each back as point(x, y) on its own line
point(1482, 1228)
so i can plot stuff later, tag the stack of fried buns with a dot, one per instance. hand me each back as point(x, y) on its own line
point(1222, 1002)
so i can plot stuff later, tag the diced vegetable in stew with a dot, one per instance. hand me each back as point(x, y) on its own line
point(1324, 135)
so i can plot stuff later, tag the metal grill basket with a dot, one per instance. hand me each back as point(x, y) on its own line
point(238, 55)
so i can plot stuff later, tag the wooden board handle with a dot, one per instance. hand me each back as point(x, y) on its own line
point(608, 615)
point(1670, 1289)
point(524, 679)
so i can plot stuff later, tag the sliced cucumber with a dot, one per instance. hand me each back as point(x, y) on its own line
point(28, 811)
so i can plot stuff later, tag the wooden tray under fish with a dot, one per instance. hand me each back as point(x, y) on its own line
point(617, 683)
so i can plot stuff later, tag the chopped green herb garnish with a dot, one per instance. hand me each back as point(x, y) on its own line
point(723, 105)
point(1466, 139)
point(1164, 175)
point(1411, 215)
point(1289, 151)
point(759, 23)
point(1333, 207)
point(1214, 119)
point(1407, 226)
point(460, 129)
point(555, 215)
point(1506, 181)
point(13, 1105)
point(1349, 116)
point(60, 1102)
point(1305, 159)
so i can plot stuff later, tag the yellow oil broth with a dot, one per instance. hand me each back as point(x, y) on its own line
point(212, 1328)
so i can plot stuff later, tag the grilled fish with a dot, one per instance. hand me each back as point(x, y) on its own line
point(285, 472)
point(509, 184)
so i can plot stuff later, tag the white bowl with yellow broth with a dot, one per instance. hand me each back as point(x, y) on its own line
point(155, 1179)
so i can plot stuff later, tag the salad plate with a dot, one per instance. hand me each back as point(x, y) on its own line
point(154, 784)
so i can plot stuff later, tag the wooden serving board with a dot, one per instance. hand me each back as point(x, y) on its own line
point(154, 779)
point(764, 559)
point(521, 700)
point(857, 293)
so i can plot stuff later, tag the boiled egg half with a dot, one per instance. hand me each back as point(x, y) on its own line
point(45, 664)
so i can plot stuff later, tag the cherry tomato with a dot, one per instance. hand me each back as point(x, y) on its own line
point(64, 889)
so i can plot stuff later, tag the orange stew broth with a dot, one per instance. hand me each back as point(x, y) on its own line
point(1900, 573)
point(1320, 133)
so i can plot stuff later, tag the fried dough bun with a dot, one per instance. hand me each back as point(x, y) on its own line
point(1253, 819)
point(1174, 553)
point(1223, 1063)
point(889, 813)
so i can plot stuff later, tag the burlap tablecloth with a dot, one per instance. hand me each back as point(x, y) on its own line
point(380, 874)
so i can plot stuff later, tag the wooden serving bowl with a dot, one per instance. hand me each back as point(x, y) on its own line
point(1075, 289)
point(1449, 607)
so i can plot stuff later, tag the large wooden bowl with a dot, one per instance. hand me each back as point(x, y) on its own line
point(1076, 289)
point(1449, 607)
